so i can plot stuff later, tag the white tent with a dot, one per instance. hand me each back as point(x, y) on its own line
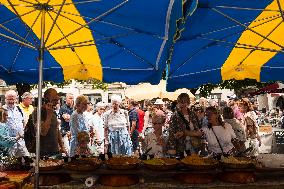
point(147, 91)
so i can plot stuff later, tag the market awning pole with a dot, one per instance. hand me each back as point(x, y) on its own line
point(40, 81)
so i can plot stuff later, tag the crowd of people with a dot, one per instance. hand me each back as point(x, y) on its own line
point(179, 128)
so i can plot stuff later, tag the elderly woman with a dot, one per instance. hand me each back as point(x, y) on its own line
point(184, 133)
point(154, 121)
point(218, 134)
point(116, 129)
point(251, 126)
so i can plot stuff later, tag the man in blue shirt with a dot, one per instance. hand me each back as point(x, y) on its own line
point(65, 112)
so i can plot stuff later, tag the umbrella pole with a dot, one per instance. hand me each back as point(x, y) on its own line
point(40, 81)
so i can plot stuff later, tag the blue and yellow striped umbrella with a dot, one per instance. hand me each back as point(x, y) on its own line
point(117, 40)
point(228, 39)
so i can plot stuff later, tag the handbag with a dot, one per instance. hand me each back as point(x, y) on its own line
point(194, 140)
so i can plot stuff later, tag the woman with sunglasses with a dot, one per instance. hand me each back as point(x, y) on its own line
point(218, 134)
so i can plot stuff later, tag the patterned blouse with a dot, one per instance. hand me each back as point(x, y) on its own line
point(6, 141)
point(78, 123)
point(176, 125)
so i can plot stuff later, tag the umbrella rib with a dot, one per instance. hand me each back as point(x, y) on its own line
point(12, 19)
point(18, 41)
point(54, 21)
point(15, 59)
point(230, 44)
point(239, 45)
point(17, 5)
point(111, 39)
point(281, 10)
point(247, 28)
point(110, 23)
point(79, 44)
point(260, 24)
point(222, 29)
point(27, 2)
point(27, 42)
point(219, 41)
point(72, 48)
point(244, 8)
point(167, 28)
point(85, 43)
point(97, 18)
point(20, 18)
point(260, 43)
point(76, 3)
point(93, 31)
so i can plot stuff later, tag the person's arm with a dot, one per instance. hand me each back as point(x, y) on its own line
point(146, 119)
point(134, 116)
point(60, 143)
point(46, 115)
point(171, 143)
point(106, 117)
point(127, 120)
point(193, 133)
point(133, 126)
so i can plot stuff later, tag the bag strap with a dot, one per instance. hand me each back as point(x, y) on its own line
point(184, 120)
point(218, 141)
point(20, 110)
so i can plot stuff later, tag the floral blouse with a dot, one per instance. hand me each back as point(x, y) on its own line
point(78, 123)
point(5, 140)
point(177, 125)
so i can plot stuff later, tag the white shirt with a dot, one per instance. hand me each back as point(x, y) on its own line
point(117, 119)
point(225, 136)
point(15, 121)
point(97, 123)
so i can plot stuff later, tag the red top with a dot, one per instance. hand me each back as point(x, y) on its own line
point(141, 115)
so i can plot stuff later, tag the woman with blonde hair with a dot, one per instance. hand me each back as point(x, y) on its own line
point(78, 125)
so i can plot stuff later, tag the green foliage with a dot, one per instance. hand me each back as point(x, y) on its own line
point(239, 86)
point(206, 89)
point(22, 87)
point(96, 84)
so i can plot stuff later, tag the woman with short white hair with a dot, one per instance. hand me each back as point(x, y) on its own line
point(116, 129)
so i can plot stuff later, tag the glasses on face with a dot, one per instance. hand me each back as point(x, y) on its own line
point(10, 99)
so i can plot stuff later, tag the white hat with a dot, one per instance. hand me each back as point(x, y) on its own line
point(159, 102)
point(116, 98)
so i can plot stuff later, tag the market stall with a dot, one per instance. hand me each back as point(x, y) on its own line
point(265, 171)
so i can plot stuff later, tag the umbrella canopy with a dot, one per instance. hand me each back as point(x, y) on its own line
point(147, 91)
point(119, 40)
point(229, 39)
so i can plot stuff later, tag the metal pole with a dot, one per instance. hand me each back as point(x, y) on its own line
point(40, 82)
